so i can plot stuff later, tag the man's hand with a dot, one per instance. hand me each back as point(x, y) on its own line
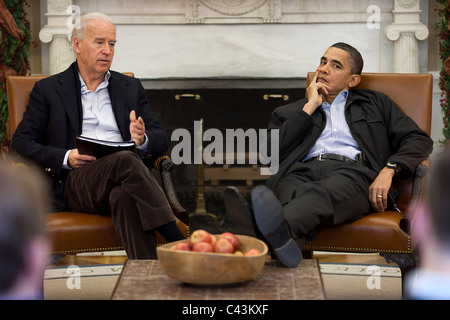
point(137, 129)
point(314, 94)
point(378, 190)
point(76, 160)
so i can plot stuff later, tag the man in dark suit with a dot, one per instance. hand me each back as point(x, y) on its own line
point(340, 150)
point(91, 100)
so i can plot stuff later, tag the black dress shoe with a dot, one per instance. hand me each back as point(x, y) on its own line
point(239, 211)
point(270, 222)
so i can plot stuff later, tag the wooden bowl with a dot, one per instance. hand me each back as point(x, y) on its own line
point(213, 268)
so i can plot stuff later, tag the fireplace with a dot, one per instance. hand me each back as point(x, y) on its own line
point(221, 104)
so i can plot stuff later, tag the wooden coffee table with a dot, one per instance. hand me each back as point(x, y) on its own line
point(145, 280)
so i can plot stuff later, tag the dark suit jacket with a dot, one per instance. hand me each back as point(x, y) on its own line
point(54, 117)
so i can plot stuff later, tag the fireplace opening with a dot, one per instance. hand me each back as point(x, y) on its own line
point(220, 104)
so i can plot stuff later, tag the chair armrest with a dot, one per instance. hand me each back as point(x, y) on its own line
point(418, 180)
point(12, 158)
point(416, 193)
point(165, 165)
point(5, 148)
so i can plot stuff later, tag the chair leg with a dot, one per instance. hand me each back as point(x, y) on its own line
point(307, 254)
point(55, 258)
point(406, 262)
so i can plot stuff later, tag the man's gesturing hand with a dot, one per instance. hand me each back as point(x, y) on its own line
point(137, 129)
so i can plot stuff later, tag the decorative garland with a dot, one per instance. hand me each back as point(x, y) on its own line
point(443, 33)
point(13, 55)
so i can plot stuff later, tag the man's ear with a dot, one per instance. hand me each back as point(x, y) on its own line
point(76, 45)
point(356, 79)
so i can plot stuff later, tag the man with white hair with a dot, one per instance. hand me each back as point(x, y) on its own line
point(91, 100)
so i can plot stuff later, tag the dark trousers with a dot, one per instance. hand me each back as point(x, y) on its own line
point(323, 193)
point(122, 186)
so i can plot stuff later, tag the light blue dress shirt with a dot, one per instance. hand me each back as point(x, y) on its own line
point(336, 138)
point(99, 121)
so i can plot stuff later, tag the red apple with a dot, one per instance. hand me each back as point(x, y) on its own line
point(252, 252)
point(232, 238)
point(223, 246)
point(182, 246)
point(203, 247)
point(213, 240)
point(200, 235)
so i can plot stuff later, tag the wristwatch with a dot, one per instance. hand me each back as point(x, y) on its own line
point(392, 165)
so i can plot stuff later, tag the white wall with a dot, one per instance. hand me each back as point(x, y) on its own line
point(196, 51)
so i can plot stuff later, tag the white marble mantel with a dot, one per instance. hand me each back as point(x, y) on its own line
point(244, 38)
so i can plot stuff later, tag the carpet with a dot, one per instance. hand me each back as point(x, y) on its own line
point(341, 282)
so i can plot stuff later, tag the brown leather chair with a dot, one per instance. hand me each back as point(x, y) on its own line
point(76, 232)
point(387, 233)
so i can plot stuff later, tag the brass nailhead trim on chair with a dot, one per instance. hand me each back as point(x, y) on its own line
point(362, 250)
point(345, 249)
point(86, 250)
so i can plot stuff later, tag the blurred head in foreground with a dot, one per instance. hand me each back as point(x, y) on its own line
point(431, 232)
point(24, 245)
